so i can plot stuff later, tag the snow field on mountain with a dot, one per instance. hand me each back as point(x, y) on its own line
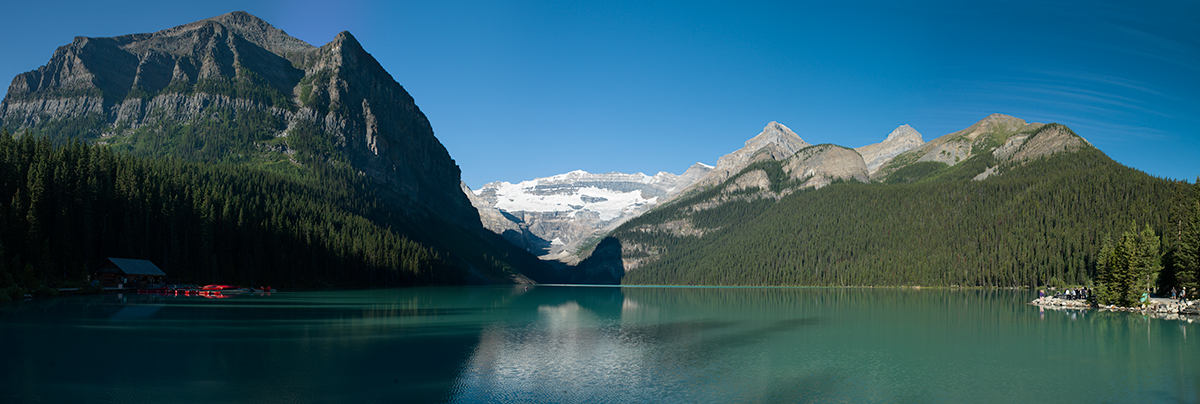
point(541, 196)
point(609, 204)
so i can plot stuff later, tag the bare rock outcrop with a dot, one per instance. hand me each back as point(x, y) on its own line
point(1047, 140)
point(753, 179)
point(902, 139)
point(820, 165)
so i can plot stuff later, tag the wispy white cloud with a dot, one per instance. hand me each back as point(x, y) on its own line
point(1158, 46)
point(1079, 78)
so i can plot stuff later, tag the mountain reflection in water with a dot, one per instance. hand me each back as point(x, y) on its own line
point(590, 344)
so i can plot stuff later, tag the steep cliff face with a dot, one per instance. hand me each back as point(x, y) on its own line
point(378, 126)
point(266, 98)
point(102, 75)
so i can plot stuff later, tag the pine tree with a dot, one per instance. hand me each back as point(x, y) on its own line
point(1148, 260)
point(1124, 256)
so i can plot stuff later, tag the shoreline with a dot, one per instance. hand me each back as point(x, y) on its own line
point(1169, 310)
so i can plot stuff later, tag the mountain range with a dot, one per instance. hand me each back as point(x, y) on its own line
point(285, 155)
point(562, 217)
point(1000, 203)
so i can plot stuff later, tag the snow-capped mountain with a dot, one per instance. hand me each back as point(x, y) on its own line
point(554, 216)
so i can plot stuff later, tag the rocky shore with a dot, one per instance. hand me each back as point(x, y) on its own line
point(1159, 308)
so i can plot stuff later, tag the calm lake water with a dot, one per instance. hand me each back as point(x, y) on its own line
point(590, 344)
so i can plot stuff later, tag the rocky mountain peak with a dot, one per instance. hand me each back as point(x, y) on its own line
point(698, 167)
point(994, 123)
point(904, 133)
point(241, 19)
point(347, 38)
point(188, 39)
point(776, 141)
point(778, 134)
point(902, 139)
point(344, 43)
point(259, 32)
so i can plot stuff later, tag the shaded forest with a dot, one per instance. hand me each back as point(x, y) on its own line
point(65, 208)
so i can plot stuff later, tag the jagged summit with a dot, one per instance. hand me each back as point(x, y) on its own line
point(776, 142)
point(778, 134)
point(904, 133)
point(108, 69)
point(902, 139)
point(240, 24)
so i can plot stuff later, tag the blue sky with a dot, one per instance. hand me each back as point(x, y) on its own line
point(517, 90)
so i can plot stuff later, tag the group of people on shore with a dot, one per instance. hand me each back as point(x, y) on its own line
point(1179, 295)
point(1069, 294)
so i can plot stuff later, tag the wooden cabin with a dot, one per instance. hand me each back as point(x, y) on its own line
point(130, 273)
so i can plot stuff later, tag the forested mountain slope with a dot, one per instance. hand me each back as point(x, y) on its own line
point(1040, 214)
point(233, 112)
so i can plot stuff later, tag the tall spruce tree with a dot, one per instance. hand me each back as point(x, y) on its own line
point(1147, 260)
point(1129, 267)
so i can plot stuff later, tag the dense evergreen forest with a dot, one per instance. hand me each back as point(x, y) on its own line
point(64, 208)
point(1042, 222)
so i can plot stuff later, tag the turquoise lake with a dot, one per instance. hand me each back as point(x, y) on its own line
point(590, 344)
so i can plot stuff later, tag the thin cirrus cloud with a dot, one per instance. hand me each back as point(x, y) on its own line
point(1157, 46)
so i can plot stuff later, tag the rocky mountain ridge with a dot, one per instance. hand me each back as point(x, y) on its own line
point(773, 164)
point(983, 136)
point(993, 145)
